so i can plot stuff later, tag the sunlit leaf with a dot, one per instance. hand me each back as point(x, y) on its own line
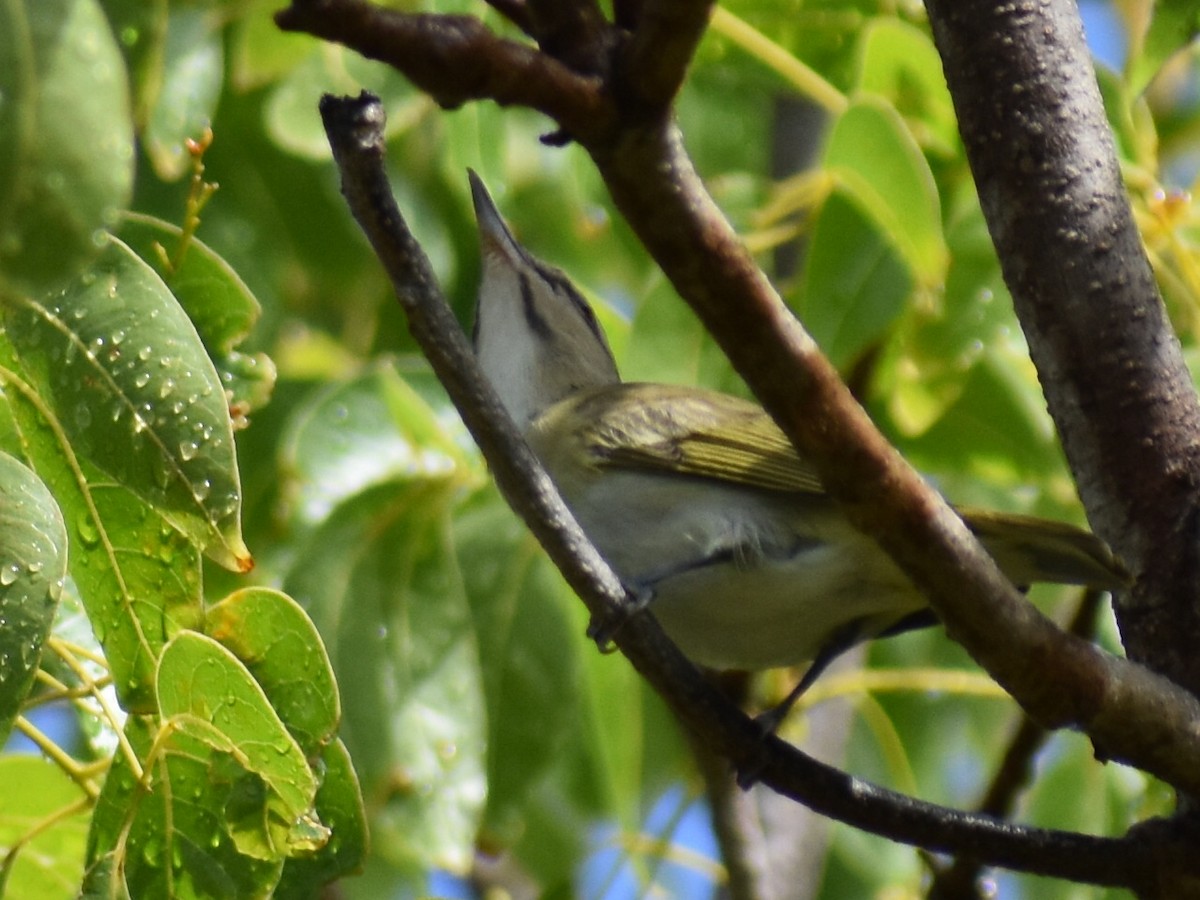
point(33, 563)
point(66, 152)
point(137, 395)
point(175, 840)
point(46, 864)
point(277, 642)
point(216, 300)
point(350, 436)
point(875, 159)
point(899, 62)
point(138, 577)
point(1174, 25)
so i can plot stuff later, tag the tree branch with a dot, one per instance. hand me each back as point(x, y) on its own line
point(455, 59)
point(656, 58)
point(355, 129)
point(1109, 362)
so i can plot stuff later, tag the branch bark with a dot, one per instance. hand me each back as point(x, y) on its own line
point(1109, 362)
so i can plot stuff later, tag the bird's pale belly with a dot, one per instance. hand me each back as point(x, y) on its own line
point(737, 579)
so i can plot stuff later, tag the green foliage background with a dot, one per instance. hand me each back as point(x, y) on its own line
point(214, 754)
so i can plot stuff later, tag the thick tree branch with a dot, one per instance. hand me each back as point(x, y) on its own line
point(355, 129)
point(657, 57)
point(455, 59)
point(1108, 359)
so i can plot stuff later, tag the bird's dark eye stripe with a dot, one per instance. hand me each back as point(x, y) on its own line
point(562, 285)
point(537, 324)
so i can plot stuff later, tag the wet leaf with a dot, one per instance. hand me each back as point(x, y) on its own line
point(275, 639)
point(33, 563)
point(137, 395)
point(216, 300)
point(138, 577)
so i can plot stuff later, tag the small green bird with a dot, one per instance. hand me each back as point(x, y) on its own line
point(697, 499)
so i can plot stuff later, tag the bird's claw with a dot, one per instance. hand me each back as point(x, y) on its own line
point(602, 629)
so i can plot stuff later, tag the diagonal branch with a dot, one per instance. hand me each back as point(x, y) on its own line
point(355, 130)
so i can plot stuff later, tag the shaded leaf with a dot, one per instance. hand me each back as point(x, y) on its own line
point(379, 578)
point(33, 563)
point(340, 807)
point(529, 646)
point(61, 77)
point(855, 283)
point(192, 74)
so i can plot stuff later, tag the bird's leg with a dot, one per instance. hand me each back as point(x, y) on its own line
point(602, 629)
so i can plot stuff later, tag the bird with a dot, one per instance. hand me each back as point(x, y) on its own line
point(699, 502)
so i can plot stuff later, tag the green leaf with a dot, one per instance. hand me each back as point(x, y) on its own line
point(66, 138)
point(194, 68)
point(292, 120)
point(855, 283)
point(899, 63)
point(340, 807)
point(225, 794)
point(221, 307)
point(33, 563)
point(369, 430)
point(1175, 24)
point(137, 395)
point(216, 300)
point(205, 691)
point(275, 639)
point(873, 156)
point(260, 52)
point(46, 863)
point(141, 30)
point(938, 341)
point(529, 647)
point(379, 578)
point(138, 577)
point(175, 838)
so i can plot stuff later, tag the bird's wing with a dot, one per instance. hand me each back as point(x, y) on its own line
point(710, 435)
point(695, 432)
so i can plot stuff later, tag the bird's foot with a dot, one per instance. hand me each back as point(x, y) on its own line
point(602, 629)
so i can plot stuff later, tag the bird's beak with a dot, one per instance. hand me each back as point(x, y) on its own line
point(494, 235)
